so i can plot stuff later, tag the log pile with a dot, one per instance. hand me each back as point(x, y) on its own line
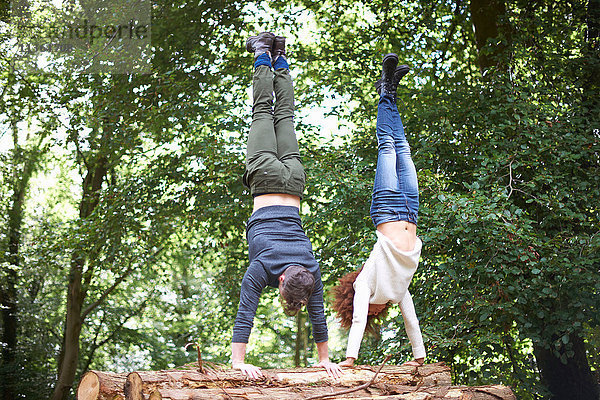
point(428, 382)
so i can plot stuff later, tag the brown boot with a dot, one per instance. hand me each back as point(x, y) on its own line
point(260, 44)
point(278, 48)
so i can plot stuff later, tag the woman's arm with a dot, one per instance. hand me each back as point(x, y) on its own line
point(362, 294)
point(411, 324)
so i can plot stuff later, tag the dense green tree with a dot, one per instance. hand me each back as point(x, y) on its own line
point(138, 248)
point(508, 169)
point(19, 102)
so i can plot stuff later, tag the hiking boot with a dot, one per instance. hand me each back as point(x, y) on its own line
point(278, 48)
point(388, 67)
point(399, 73)
point(260, 44)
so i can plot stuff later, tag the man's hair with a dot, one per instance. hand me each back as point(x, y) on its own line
point(343, 304)
point(296, 288)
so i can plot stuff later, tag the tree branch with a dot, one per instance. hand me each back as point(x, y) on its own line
point(108, 291)
point(110, 337)
point(356, 389)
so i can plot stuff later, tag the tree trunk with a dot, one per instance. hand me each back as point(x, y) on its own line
point(301, 344)
point(572, 380)
point(76, 291)
point(305, 393)
point(97, 385)
point(427, 382)
point(298, 339)
point(143, 384)
point(592, 59)
point(21, 176)
point(490, 22)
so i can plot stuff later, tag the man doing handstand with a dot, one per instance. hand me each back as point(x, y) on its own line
point(279, 251)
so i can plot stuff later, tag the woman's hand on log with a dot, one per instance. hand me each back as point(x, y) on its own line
point(348, 362)
point(251, 371)
point(414, 363)
point(333, 370)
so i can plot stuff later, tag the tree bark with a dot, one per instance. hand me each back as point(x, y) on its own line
point(142, 384)
point(427, 382)
point(490, 22)
point(389, 392)
point(76, 291)
point(98, 385)
point(21, 175)
point(572, 380)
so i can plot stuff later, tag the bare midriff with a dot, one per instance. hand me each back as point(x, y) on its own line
point(276, 199)
point(402, 233)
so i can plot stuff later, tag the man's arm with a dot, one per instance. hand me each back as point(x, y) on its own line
point(316, 313)
point(238, 353)
point(254, 281)
point(332, 369)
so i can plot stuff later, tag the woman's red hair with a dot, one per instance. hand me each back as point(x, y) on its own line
point(343, 304)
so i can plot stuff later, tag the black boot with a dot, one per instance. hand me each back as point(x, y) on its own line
point(388, 67)
point(260, 44)
point(399, 73)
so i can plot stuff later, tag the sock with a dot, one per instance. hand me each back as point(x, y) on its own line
point(263, 59)
point(281, 62)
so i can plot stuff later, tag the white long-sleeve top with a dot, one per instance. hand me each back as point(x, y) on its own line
point(385, 277)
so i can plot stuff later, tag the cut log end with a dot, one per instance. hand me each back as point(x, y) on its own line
point(155, 395)
point(89, 387)
point(133, 387)
point(98, 385)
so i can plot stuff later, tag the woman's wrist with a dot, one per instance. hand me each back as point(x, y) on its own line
point(349, 362)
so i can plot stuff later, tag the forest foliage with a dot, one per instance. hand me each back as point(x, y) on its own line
point(123, 211)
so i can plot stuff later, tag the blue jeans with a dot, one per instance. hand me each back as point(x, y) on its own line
point(396, 190)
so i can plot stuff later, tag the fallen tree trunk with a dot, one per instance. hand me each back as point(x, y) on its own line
point(393, 392)
point(427, 382)
point(98, 385)
point(142, 384)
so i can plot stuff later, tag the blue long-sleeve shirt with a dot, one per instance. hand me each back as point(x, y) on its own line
point(277, 240)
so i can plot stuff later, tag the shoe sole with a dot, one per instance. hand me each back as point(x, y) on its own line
point(252, 39)
point(404, 68)
point(389, 57)
point(277, 41)
point(401, 70)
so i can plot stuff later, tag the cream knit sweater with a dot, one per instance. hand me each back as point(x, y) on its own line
point(385, 278)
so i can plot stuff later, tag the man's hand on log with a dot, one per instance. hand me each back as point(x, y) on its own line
point(333, 370)
point(251, 371)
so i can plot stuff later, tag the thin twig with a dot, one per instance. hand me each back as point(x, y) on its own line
point(200, 366)
point(510, 178)
point(108, 291)
point(356, 389)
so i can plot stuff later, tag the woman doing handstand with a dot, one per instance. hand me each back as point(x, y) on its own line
point(363, 296)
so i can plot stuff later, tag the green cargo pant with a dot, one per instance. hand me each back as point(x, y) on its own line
point(273, 162)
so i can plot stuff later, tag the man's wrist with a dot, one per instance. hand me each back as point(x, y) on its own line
point(238, 353)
